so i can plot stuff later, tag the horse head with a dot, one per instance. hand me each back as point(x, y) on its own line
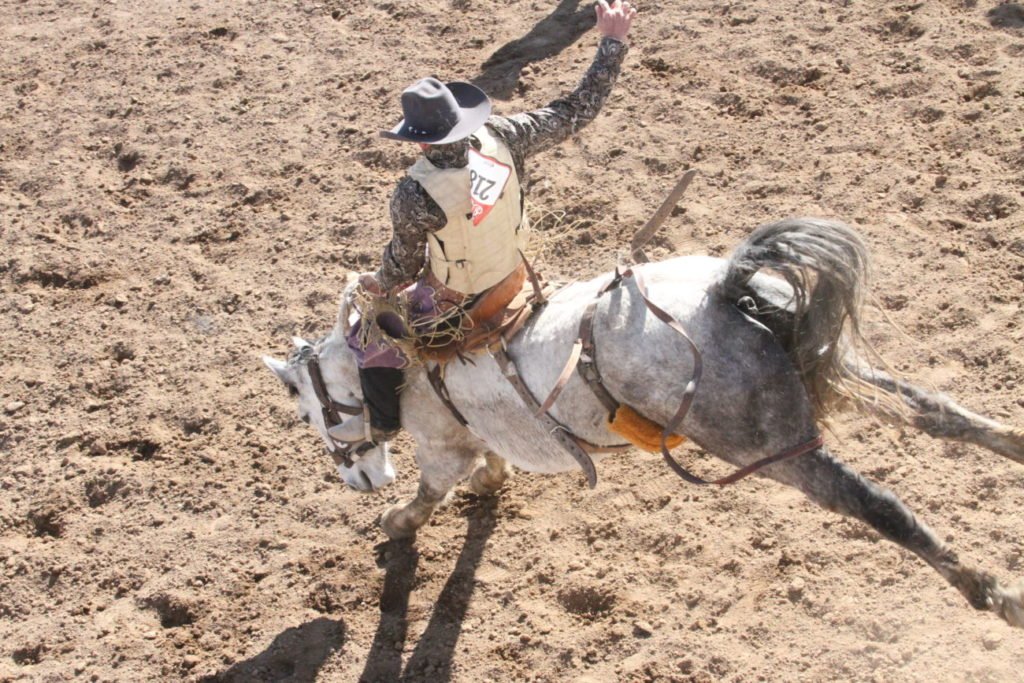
point(373, 469)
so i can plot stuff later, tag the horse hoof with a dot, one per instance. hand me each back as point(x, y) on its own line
point(1011, 607)
point(483, 483)
point(390, 525)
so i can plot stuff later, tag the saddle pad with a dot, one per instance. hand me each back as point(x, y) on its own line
point(638, 430)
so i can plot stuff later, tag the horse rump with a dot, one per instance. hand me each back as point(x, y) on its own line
point(816, 315)
point(813, 308)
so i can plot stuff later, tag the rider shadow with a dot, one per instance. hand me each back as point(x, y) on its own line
point(432, 658)
point(296, 655)
point(554, 33)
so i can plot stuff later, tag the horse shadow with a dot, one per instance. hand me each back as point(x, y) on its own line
point(295, 655)
point(431, 659)
point(499, 74)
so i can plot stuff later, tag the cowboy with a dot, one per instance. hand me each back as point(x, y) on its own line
point(460, 211)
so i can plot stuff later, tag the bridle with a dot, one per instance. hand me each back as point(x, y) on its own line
point(345, 453)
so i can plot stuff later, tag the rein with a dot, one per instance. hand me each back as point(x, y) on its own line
point(348, 453)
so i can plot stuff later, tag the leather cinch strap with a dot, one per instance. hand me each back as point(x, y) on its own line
point(793, 452)
point(436, 377)
point(562, 435)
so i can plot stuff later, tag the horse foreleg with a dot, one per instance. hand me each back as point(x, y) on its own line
point(489, 477)
point(940, 416)
point(440, 470)
point(836, 487)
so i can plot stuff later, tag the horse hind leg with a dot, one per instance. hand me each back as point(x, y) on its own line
point(489, 477)
point(838, 488)
point(440, 470)
point(939, 416)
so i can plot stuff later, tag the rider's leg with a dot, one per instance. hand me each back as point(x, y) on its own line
point(381, 389)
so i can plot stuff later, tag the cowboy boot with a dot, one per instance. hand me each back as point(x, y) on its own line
point(352, 430)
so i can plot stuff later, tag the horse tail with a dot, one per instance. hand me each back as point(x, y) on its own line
point(817, 320)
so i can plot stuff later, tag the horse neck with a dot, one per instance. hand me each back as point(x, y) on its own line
point(338, 363)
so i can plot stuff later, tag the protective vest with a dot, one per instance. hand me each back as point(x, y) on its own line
point(466, 257)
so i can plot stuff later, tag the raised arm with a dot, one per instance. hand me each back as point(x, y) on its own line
point(535, 131)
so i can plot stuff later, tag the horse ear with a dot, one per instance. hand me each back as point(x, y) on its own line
point(279, 368)
point(300, 343)
point(345, 308)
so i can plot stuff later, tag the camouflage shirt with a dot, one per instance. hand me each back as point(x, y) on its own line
point(414, 213)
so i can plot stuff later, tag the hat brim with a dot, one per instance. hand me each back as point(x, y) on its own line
point(474, 108)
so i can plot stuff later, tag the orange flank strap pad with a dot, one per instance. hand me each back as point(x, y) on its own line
point(639, 431)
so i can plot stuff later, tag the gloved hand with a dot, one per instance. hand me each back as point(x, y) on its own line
point(368, 283)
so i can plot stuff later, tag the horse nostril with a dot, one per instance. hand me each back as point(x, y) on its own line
point(305, 418)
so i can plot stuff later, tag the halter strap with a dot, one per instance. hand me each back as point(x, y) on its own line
point(328, 405)
point(332, 410)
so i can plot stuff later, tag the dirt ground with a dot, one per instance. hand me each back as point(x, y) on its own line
point(183, 186)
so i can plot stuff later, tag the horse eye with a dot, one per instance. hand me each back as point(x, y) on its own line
point(292, 391)
point(305, 417)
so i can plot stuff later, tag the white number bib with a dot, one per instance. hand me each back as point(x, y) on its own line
point(487, 179)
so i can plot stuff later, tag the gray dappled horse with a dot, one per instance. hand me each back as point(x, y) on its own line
point(777, 324)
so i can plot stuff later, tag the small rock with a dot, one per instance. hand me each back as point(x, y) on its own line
point(992, 640)
point(796, 589)
point(190, 661)
point(642, 629)
point(26, 306)
point(149, 635)
point(13, 407)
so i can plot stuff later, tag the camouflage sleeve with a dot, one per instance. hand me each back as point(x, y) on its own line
point(413, 215)
point(532, 132)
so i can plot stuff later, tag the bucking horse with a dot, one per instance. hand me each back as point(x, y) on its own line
point(772, 334)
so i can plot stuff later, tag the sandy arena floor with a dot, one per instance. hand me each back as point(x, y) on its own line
point(184, 185)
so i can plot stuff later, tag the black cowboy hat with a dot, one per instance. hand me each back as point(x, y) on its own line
point(436, 113)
